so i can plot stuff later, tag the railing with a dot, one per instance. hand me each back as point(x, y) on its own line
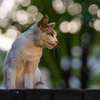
point(57, 94)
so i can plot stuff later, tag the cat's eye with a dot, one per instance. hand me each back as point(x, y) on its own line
point(50, 34)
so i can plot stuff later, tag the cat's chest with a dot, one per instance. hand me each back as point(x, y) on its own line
point(33, 54)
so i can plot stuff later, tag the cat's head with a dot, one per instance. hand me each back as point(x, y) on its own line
point(46, 34)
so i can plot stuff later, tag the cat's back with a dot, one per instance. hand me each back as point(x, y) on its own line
point(18, 42)
point(15, 48)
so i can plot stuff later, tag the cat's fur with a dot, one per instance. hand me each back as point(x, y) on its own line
point(21, 62)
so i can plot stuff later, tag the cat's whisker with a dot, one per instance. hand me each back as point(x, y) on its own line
point(54, 50)
point(57, 46)
point(48, 52)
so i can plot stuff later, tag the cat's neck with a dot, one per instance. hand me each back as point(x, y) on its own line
point(30, 32)
point(32, 37)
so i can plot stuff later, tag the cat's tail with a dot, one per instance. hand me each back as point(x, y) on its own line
point(40, 85)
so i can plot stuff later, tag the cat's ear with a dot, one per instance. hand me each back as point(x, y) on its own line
point(43, 23)
point(51, 25)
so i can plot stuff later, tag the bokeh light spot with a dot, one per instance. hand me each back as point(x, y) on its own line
point(26, 3)
point(97, 24)
point(98, 13)
point(76, 51)
point(76, 63)
point(93, 9)
point(74, 26)
point(6, 43)
point(3, 13)
point(65, 63)
point(74, 82)
point(65, 27)
point(11, 32)
point(74, 8)
point(32, 9)
point(58, 6)
point(86, 38)
point(22, 17)
point(37, 17)
point(14, 16)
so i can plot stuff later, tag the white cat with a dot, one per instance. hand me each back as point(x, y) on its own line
point(22, 60)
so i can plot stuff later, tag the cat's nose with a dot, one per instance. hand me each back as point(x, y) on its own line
point(56, 41)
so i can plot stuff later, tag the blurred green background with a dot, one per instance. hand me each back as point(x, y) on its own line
point(75, 62)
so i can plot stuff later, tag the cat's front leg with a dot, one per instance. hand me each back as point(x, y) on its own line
point(29, 74)
point(14, 67)
point(11, 77)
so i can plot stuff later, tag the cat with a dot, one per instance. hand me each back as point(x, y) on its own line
point(22, 59)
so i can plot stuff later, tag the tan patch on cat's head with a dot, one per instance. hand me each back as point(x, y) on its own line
point(50, 30)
